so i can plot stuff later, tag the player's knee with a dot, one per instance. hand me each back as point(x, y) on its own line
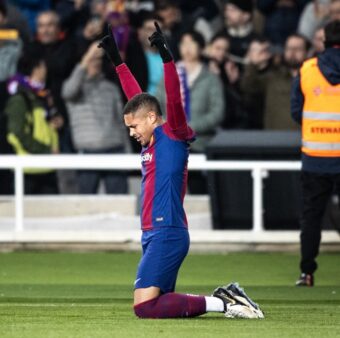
point(146, 309)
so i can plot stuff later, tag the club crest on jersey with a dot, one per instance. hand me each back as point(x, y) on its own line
point(147, 157)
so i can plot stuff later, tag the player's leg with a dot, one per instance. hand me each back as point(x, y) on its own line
point(142, 295)
point(163, 254)
point(316, 191)
point(230, 300)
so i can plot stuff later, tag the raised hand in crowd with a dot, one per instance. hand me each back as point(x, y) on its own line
point(92, 53)
point(232, 71)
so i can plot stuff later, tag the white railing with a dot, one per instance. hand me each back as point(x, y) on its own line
point(258, 170)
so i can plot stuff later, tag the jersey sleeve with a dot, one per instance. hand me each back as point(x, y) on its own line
point(176, 118)
point(127, 80)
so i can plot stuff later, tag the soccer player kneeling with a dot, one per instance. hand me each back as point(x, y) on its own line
point(165, 237)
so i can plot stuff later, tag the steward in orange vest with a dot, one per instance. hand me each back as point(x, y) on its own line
point(315, 104)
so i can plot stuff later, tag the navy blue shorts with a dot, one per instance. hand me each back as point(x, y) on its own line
point(164, 250)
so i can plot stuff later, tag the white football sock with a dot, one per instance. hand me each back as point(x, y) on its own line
point(214, 304)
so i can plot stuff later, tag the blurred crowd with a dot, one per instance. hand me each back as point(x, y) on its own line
point(58, 94)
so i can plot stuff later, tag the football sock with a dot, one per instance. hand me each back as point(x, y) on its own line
point(214, 304)
point(172, 305)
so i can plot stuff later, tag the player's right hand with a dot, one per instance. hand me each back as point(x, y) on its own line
point(108, 43)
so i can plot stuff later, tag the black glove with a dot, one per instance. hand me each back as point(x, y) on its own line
point(158, 39)
point(108, 43)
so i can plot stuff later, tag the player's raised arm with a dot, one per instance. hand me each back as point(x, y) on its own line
point(129, 84)
point(175, 111)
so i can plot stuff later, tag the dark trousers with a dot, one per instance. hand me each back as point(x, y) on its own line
point(45, 184)
point(316, 192)
point(115, 181)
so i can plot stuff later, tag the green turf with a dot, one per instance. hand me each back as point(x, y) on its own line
point(84, 295)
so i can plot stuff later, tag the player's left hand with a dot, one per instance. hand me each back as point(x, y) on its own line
point(158, 40)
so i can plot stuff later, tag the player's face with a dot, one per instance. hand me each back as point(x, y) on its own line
point(141, 125)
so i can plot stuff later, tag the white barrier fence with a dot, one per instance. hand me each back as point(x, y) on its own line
point(258, 171)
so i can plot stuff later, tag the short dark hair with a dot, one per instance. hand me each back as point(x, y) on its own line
point(219, 35)
point(261, 39)
point(31, 57)
point(196, 36)
point(332, 34)
point(143, 100)
point(301, 37)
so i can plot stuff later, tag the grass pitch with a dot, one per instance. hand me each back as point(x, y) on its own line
point(84, 295)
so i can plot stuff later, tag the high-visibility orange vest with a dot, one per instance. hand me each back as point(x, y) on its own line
point(321, 113)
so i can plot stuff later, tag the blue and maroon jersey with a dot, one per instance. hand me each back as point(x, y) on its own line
point(165, 159)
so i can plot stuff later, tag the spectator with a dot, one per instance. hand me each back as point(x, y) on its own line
point(273, 87)
point(18, 21)
point(239, 27)
point(10, 49)
point(59, 52)
point(203, 97)
point(60, 57)
point(30, 127)
point(118, 17)
point(31, 9)
point(175, 23)
point(282, 18)
point(334, 10)
point(313, 16)
point(260, 62)
point(208, 10)
point(217, 54)
point(315, 105)
point(101, 13)
point(144, 60)
point(95, 106)
point(73, 14)
point(93, 28)
point(10, 46)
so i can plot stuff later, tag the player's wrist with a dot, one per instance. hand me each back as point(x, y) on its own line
point(167, 59)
